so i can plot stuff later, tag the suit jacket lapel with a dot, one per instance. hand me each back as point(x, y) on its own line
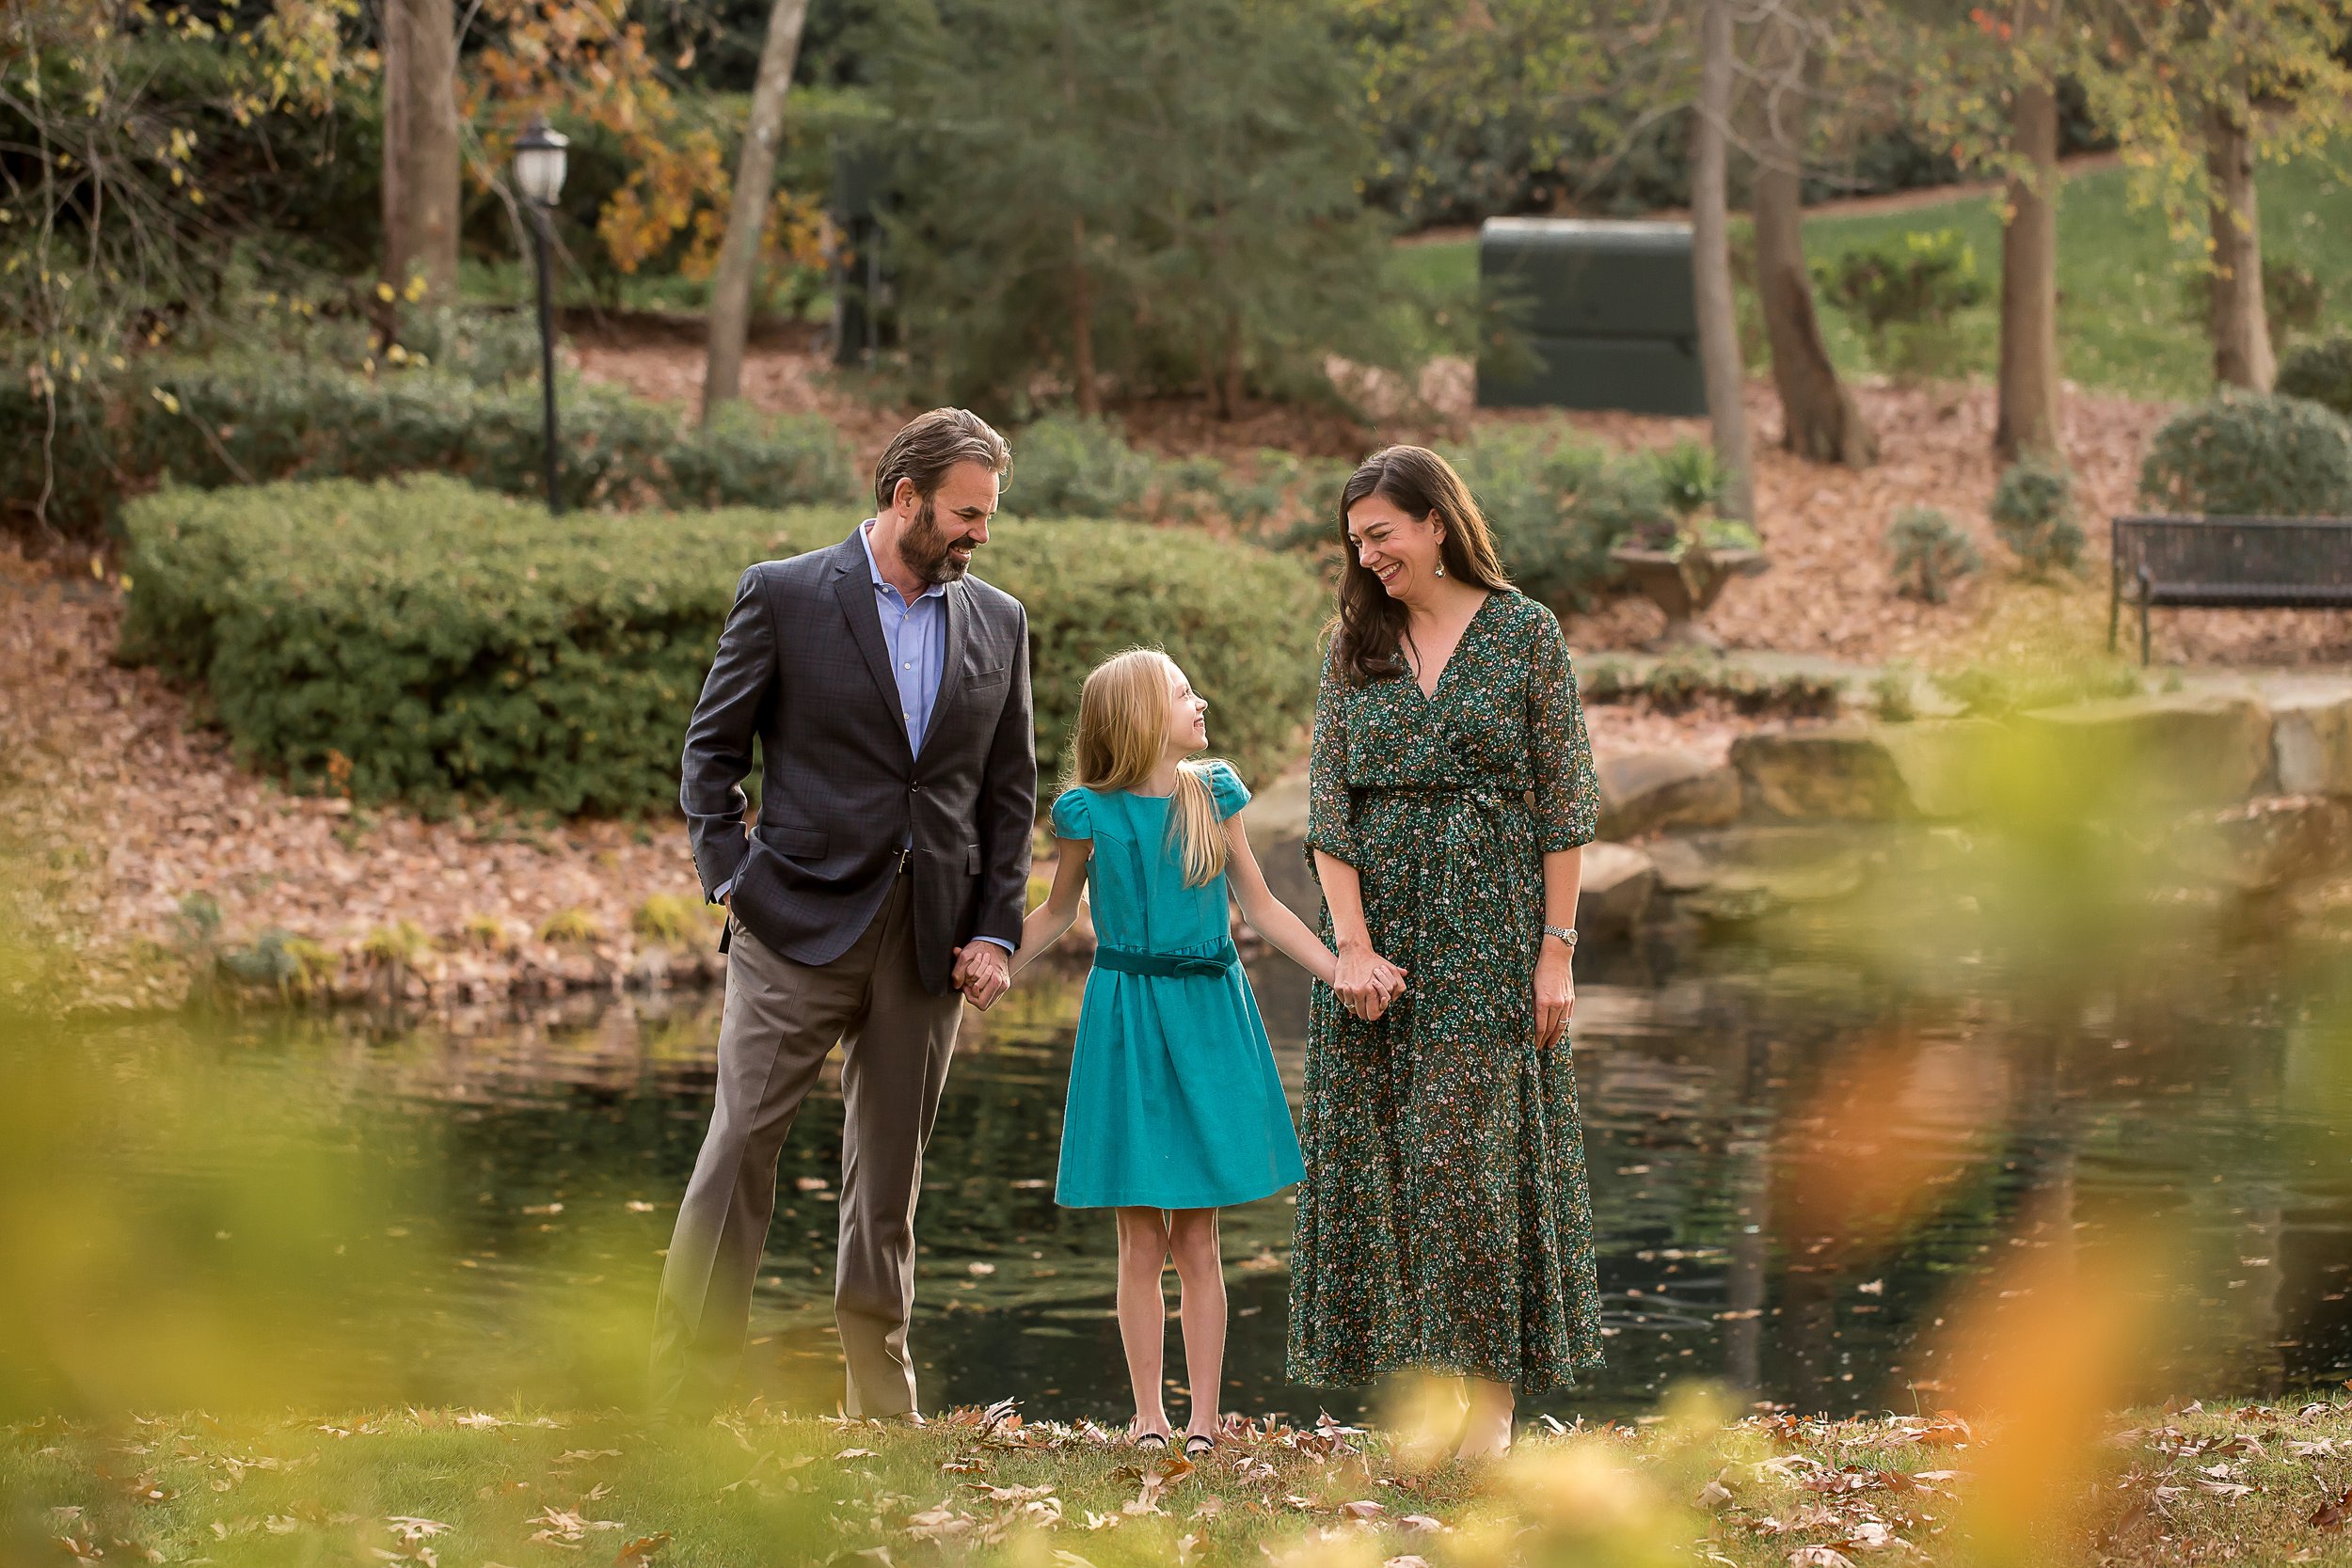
point(950, 664)
point(853, 585)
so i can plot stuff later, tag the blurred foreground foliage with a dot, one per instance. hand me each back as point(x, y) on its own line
point(985, 1487)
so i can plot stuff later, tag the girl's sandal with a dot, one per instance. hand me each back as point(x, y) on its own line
point(1152, 1442)
point(1199, 1443)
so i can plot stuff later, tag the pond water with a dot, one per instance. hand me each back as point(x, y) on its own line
point(1799, 1157)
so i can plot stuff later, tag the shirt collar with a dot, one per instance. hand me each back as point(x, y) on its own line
point(865, 537)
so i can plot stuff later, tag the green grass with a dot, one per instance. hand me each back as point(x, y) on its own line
point(2121, 323)
point(523, 1488)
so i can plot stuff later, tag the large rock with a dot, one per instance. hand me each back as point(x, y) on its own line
point(2311, 739)
point(1747, 873)
point(1945, 764)
point(1615, 891)
point(2266, 844)
point(2174, 749)
point(1643, 792)
point(1838, 772)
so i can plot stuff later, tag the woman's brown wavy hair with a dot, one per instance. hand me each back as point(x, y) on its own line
point(1420, 483)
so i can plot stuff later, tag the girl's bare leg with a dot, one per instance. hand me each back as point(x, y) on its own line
point(1488, 1432)
point(1143, 1312)
point(1201, 1270)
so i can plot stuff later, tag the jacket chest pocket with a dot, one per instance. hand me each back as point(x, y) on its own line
point(980, 680)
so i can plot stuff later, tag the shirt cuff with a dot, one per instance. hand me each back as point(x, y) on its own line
point(998, 941)
point(719, 893)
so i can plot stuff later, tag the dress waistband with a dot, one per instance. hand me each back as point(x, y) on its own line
point(1168, 966)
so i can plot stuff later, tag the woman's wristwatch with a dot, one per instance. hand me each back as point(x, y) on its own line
point(1566, 933)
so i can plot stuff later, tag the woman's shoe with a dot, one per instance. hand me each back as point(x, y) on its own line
point(1152, 1442)
point(1197, 1445)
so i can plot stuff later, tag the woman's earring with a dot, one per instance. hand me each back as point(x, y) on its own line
point(1440, 568)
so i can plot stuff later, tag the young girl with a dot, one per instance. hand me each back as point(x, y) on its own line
point(1175, 1107)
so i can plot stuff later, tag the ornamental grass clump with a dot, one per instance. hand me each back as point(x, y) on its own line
point(1930, 553)
point(2033, 512)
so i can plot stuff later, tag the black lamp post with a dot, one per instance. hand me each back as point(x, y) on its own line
point(539, 176)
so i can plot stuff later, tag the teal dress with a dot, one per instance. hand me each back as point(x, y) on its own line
point(1174, 1099)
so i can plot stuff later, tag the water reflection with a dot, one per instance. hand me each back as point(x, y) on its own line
point(1794, 1161)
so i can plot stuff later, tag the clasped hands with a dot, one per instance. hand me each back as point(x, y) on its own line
point(983, 973)
point(1366, 983)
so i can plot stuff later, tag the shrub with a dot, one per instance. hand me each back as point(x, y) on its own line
point(487, 348)
point(1066, 467)
point(435, 639)
point(1930, 553)
point(1904, 290)
point(2250, 454)
point(2320, 373)
point(1988, 690)
point(425, 639)
point(1246, 624)
point(57, 463)
point(2293, 298)
point(1556, 503)
point(750, 458)
point(258, 421)
point(2033, 512)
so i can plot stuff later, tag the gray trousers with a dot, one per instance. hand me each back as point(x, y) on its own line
point(782, 1020)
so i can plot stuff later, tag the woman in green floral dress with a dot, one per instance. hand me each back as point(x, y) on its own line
point(1446, 1222)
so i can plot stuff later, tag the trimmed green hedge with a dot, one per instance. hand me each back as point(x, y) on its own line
point(426, 641)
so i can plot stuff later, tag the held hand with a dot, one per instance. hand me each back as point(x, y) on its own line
point(983, 973)
point(1555, 993)
point(1366, 983)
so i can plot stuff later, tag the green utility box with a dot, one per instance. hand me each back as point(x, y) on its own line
point(1589, 314)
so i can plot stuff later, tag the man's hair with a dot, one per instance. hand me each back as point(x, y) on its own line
point(933, 443)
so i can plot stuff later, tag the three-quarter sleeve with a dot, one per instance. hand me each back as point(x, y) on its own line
point(1070, 816)
point(1331, 811)
point(1568, 793)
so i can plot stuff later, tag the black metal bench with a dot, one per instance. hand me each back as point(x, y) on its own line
point(2228, 563)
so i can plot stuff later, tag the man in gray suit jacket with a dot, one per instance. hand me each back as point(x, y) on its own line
point(889, 693)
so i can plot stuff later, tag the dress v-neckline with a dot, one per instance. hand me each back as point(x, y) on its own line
point(1413, 677)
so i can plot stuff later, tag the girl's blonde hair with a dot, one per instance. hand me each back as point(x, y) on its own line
point(1122, 733)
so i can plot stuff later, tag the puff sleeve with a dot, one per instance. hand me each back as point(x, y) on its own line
point(1225, 790)
point(1071, 815)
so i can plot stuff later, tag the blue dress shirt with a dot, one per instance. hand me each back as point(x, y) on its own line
point(916, 635)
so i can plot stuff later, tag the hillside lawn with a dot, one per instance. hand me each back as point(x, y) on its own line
point(2123, 325)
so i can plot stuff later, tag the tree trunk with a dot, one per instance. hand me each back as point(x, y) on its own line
point(1820, 421)
point(1082, 323)
point(2242, 351)
point(747, 214)
point(2028, 414)
point(1710, 260)
point(421, 145)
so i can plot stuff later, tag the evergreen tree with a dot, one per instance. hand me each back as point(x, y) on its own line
point(1139, 197)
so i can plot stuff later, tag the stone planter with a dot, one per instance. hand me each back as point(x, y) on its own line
point(1684, 585)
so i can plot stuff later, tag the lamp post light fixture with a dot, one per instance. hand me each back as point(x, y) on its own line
point(539, 155)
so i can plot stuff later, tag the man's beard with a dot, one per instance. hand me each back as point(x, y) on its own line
point(923, 547)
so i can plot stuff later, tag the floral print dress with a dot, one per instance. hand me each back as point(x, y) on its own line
point(1446, 1220)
